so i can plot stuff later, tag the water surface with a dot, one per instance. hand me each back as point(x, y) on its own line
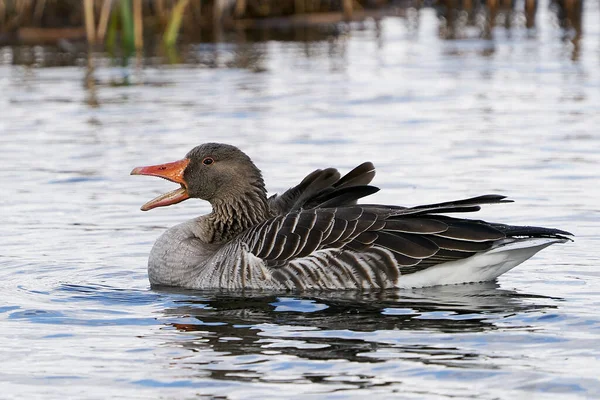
point(516, 115)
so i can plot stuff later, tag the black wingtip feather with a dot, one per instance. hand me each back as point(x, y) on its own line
point(361, 175)
point(346, 196)
point(472, 201)
point(532, 231)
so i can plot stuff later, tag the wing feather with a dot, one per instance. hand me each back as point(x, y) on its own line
point(416, 225)
point(394, 239)
point(407, 245)
point(471, 231)
point(266, 237)
point(361, 175)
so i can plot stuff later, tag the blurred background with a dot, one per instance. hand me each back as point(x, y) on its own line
point(151, 32)
point(449, 99)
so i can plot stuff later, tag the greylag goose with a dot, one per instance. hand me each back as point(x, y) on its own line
point(316, 236)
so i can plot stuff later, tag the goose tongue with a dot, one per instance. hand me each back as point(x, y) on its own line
point(172, 172)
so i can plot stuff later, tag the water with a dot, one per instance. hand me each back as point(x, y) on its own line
point(516, 115)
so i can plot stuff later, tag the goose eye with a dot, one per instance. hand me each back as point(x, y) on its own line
point(208, 161)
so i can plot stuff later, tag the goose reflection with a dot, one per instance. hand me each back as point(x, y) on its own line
point(363, 327)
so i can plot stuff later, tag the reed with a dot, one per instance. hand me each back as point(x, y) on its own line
point(138, 25)
point(109, 22)
point(103, 23)
point(90, 25)
point(170, 36)
point(39, 9)
point(348, 8)
point(127, 31)
point(240, 8)
point(2, 13)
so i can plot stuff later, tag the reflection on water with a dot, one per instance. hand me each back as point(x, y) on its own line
point(266, 338)
point(465, 308)
point(328, 325)
point(470, 19)
point(248, 49)
point(258, 338)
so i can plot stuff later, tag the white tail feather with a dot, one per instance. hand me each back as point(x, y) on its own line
point(487, 266)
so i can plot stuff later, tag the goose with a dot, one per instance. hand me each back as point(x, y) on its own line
point(315, 236)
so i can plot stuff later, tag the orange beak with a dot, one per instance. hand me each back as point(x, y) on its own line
point(172, 172)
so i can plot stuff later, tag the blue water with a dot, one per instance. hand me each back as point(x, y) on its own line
point(441, 119)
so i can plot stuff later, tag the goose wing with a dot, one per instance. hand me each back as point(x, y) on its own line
point(418, 237)
point(322, 185)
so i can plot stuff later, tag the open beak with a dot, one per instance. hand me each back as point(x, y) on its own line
point(172, 172)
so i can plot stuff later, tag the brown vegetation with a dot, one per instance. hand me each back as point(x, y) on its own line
point(102, 21)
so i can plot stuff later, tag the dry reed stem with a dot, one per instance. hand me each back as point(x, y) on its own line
point(530, 7)
point(138, 24)
point(348, 8)
point(218, 6)
point(90, 29)
point(2, 13)
point(240, 8)
point(160, 11)
point(13, 22)
point(39, 10)
point(103, 23)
